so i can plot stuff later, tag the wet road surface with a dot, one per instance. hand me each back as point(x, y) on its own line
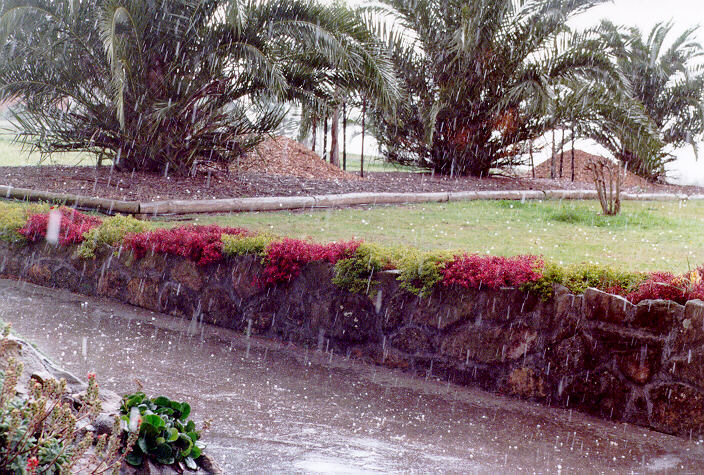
point(281, 409)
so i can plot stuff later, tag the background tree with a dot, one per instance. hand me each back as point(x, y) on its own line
point(171, 85)
point(667, 81)
point(475, 75)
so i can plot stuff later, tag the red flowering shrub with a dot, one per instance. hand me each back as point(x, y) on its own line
point(200, 244)
point(666, 286)
point(72, 226)
point(475, 271)
point(286, 258)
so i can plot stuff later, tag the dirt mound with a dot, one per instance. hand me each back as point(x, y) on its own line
point(581, 174)
point(284, 156)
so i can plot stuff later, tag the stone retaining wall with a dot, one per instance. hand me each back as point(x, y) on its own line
point(597, 353)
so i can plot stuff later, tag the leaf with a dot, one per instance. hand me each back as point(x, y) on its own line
point(162, 401)
point(190, 463)
point(134, 459)
point(154, 421)
point(173, 435)
point(185, 411)
point(196, 452)
point(163, 451)
point(142, 444)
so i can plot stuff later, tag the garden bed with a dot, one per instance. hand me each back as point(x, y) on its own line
point(126, 186)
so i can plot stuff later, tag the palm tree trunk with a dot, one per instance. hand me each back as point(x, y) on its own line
point(552, 157)
point(361, 163)
point(344, 136)
point(315, 132)
point(572, 152)
point(532, 163)
point(334, 133)
point(562, 150)
point(325, 137)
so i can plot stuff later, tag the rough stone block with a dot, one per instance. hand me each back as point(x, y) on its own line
point(489, 344)
point(677, 409)
point(525, 383)
point(605, 307)
point(412, 340)
point(245, 271)
point(143, 293)
point(186, 273)
point(688, 367)
point(689, 331)
point(39, 274)
point(658, 316)
point(112, 284)
point(638, 354)
point(599, 392)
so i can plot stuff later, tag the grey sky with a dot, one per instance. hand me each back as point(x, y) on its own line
point(645, 13)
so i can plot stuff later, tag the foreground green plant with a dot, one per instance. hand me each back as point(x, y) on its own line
point(164, 432)
point(40, 433)
point(237, 245)
point(13, 217)
point(578, 278)
point(110, 233)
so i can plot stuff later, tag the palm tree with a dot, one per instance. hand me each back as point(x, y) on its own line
point(173, 85)
point(476, 77)
point(667, 81)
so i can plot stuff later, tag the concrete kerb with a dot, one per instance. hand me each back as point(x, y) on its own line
point(274, 203)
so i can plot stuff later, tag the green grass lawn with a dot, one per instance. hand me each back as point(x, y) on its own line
point(12, 155)
point(646, 236)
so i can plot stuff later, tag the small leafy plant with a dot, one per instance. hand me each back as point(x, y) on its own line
point(200, 244)
point(240, 245)
point(39, 433)
point(285, 259)
point(475, 271)
point(164, 432)
point(578, 278)
point(111, 232)
point(13, 218)
point(72, 225)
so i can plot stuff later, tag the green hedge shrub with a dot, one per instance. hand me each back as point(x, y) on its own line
point(14, 216)
point(110, 233)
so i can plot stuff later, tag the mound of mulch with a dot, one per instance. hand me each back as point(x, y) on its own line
point(286, 157)
point(581, 174)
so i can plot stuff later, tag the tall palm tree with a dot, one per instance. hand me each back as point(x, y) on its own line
point(477, 76)
point(171, 85)
point(667, 81)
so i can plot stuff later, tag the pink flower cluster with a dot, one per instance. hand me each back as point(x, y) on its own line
point(475, 271)
point(200, 244)
point(286, 258)
point(72, 226)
